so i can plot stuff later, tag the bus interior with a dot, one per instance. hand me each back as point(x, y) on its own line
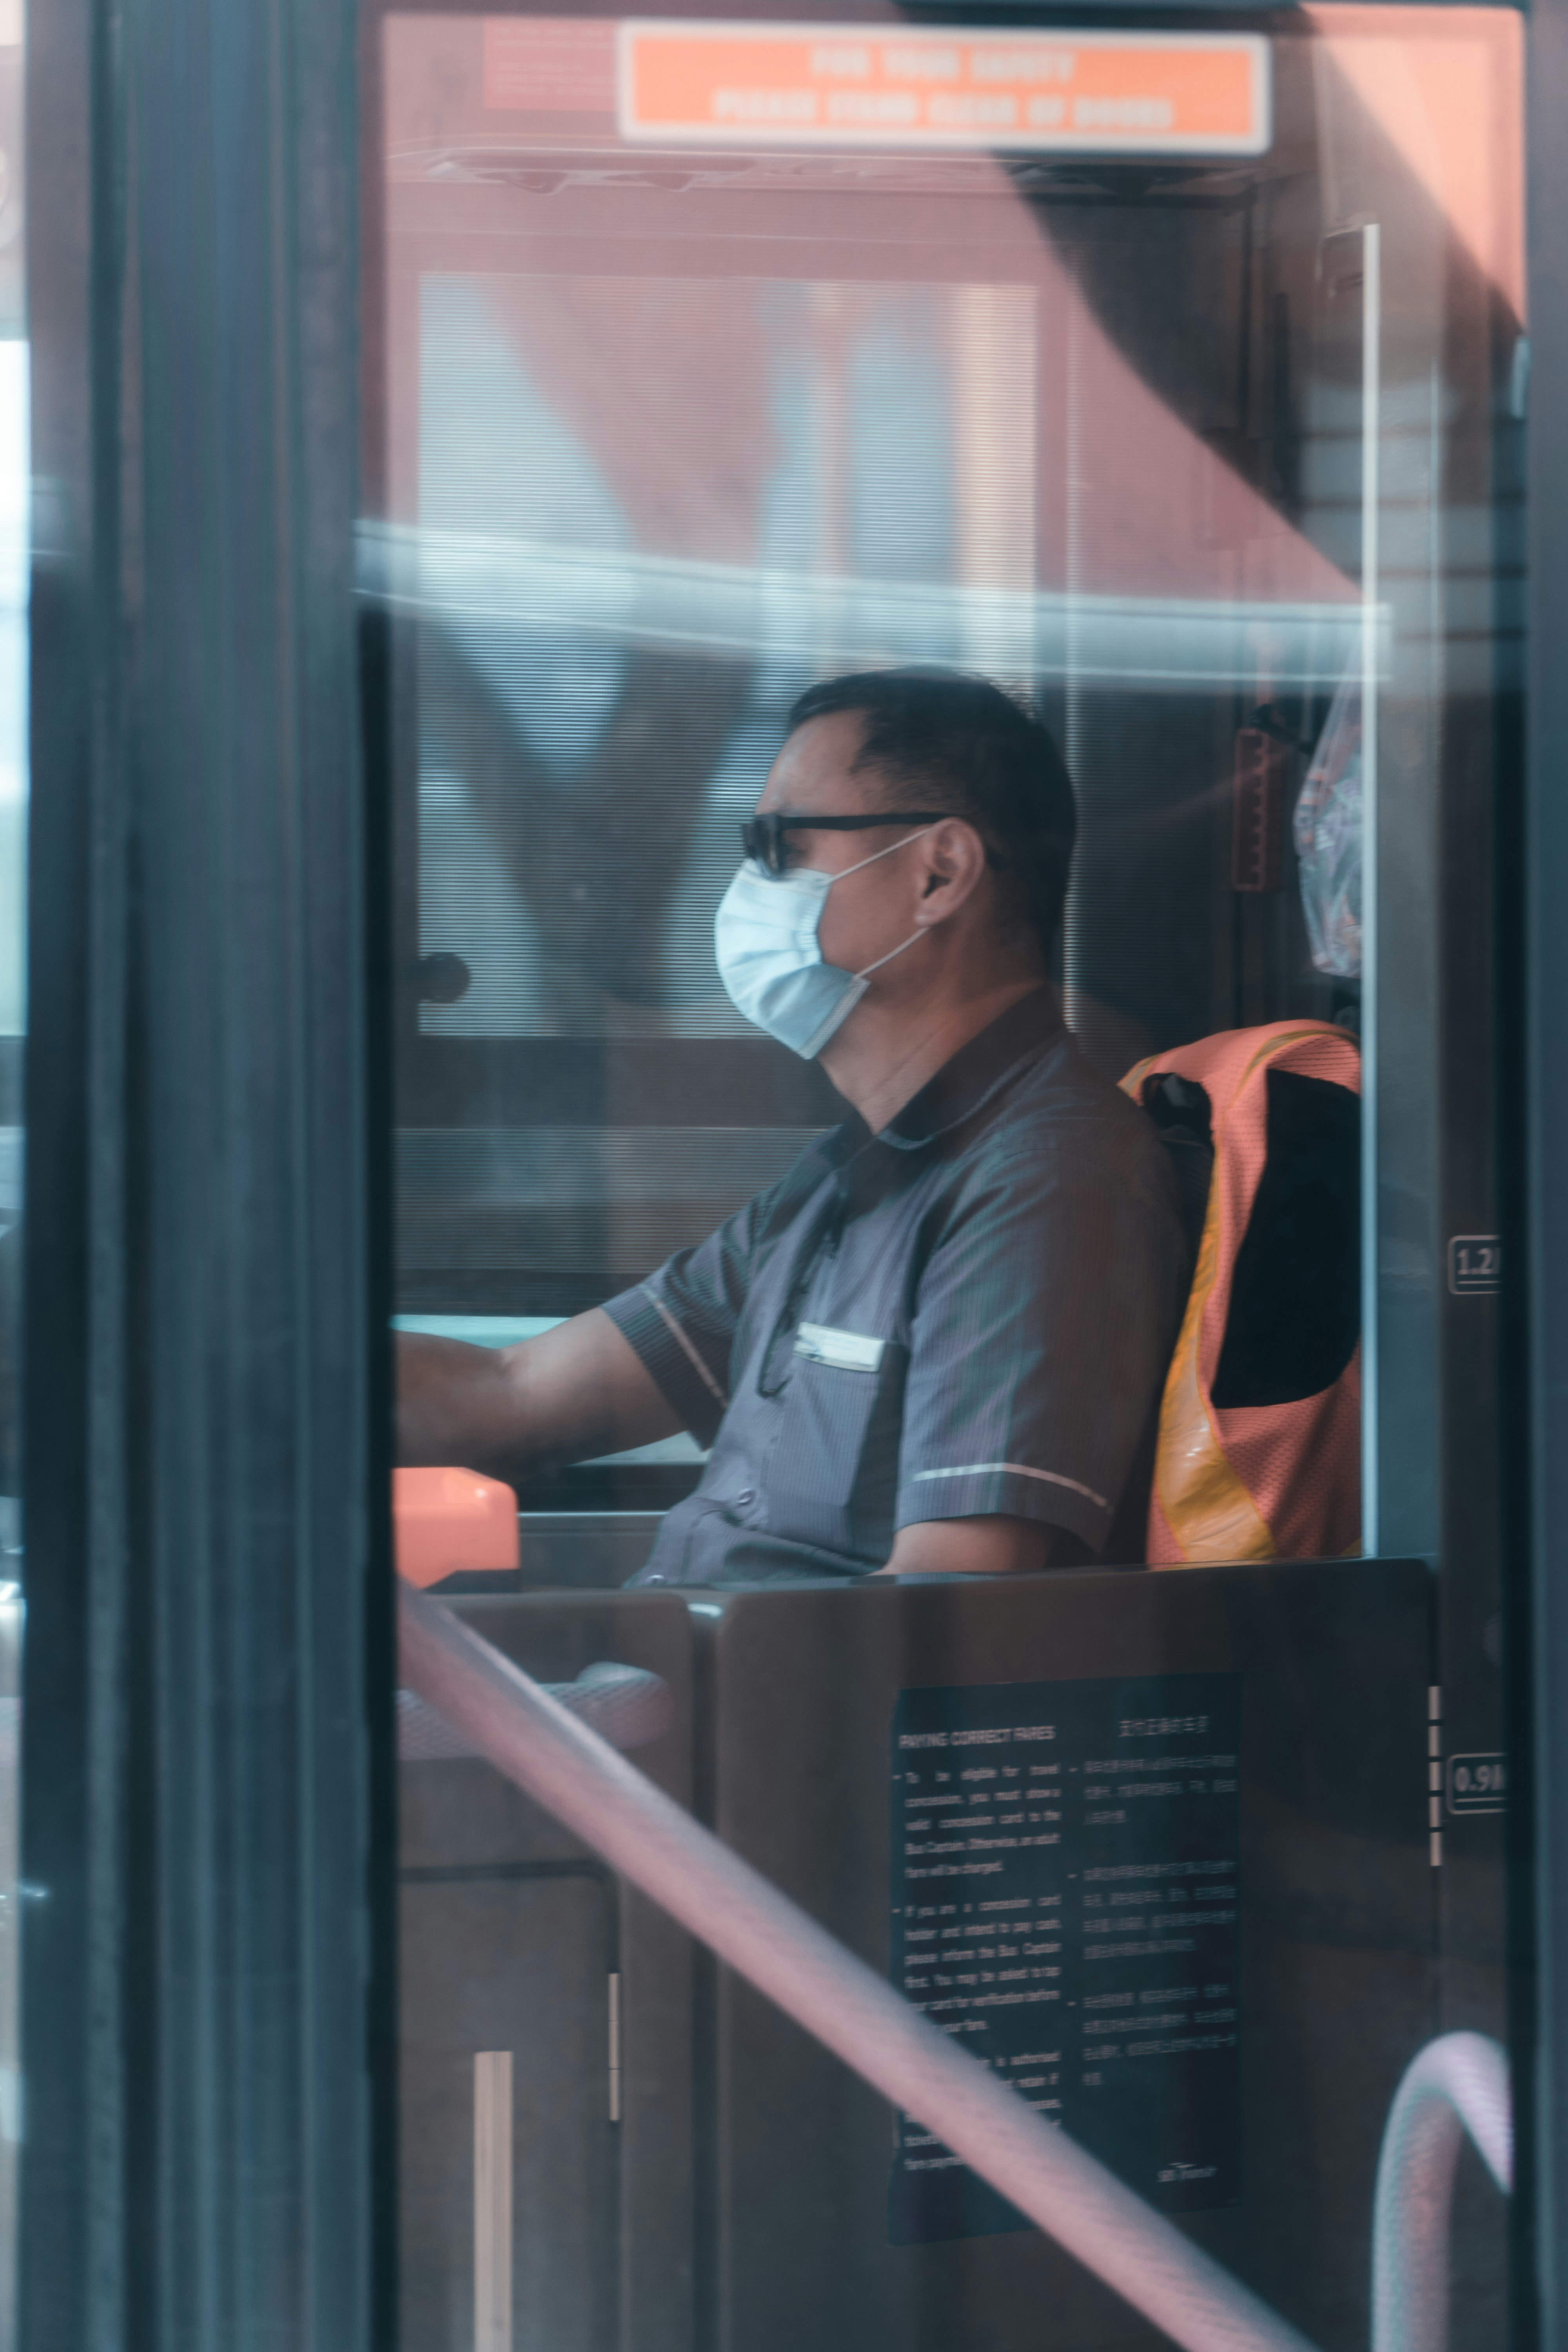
point(1211, 451)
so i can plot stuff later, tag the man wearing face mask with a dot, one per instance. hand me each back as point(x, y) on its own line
point(937, 1345)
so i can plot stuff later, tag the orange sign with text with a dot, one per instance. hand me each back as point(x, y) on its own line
point(913, 87)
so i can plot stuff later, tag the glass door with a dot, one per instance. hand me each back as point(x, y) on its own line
point(1170, 382)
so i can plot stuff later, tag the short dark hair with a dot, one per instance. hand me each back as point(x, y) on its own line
point(960, 744)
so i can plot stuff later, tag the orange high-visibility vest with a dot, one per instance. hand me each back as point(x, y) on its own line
point(1277, 1480)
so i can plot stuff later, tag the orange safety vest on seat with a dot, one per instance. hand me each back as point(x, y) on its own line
point(1277, 1478)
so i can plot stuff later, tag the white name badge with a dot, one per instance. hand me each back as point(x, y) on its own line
point(846, 1352)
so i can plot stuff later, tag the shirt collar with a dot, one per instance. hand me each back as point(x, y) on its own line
point(965, 1084)
point(977, 1071)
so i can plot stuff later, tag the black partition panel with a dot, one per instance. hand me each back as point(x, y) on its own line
point(1154, 1846)
point(1299, 1898)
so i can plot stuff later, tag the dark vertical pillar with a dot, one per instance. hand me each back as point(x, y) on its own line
point(1539, 1284)
point(206, 1708)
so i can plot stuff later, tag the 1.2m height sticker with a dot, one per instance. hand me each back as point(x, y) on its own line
point(1065, 1899)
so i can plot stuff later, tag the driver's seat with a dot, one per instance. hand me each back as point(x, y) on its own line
point(1259, 1446)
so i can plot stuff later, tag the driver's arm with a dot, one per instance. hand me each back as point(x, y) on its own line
point(995, 1545)
point(572, 1392)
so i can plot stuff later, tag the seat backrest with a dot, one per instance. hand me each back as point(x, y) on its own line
point(1259, 1446)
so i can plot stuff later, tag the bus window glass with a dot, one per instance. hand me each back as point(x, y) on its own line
point(1172, 383)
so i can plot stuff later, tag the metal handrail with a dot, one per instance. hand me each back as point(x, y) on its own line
point(683, 1867)
point(1458, 2083)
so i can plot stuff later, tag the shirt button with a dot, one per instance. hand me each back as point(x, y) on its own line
point(746, 1494)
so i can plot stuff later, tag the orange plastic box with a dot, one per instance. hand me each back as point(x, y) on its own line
point(443, 1521)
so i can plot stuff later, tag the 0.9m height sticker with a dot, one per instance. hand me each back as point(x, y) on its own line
point(1065, 1901)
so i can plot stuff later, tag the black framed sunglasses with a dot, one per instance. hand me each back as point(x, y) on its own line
point(763, 837)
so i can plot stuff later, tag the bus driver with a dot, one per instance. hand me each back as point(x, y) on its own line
point(937, 1344)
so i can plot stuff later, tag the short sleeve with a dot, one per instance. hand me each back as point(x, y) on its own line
point(1041, 1333)
point(683, 1319)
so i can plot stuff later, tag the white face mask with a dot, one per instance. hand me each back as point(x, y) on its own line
point(770, 959)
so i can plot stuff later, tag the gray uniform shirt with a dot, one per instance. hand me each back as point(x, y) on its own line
point(971, 1312)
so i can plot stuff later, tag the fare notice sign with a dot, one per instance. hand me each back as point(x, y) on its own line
point(855, 86)
point(1066, 1900)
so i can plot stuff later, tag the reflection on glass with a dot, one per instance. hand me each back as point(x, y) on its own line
point(1202, 442)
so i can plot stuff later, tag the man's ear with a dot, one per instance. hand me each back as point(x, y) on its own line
point(953, 859)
